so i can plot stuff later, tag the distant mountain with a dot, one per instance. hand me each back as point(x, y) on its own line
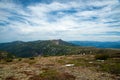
point(97, 44)
point(35, 48)
point(48, 48)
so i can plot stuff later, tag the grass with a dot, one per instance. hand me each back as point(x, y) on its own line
point(111, 63)
point(111, 68)
point(10, 78)
point(102, 56)
point(20, 59)
point(77, 62)
point(101, 62)
point(31, 58)
point(9, 60)
point(51, 74)
point(49, 66)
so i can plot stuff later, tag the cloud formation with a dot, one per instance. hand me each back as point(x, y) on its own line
point(88, 20)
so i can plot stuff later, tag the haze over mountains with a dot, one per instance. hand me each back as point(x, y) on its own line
point(114, 44)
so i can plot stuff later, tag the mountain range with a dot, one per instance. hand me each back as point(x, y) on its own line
point(115, 44)
point(35, 48)
point(48, 48)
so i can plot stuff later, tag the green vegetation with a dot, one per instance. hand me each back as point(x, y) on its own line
point(111, 65)
point(31, 58)
point(49, 48)
point(102, 62)
point(77, 62)
point(63, 67)
point(113, 68)
point(9, 60)
point(10, 78)
point(19, 59)
point(50, 74)
point(6, 56)
point(102, 56)
point(107, 60)
point(31, 62)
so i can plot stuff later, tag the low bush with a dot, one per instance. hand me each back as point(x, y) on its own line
point(31, 58)
point(10, 78)
point(52, 75)
point(102, 56)
point(20, 59)
point(9, 60)
point(111, 68)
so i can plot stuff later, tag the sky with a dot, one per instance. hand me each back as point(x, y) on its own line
point(80, 20)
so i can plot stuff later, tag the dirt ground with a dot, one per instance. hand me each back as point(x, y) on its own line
point(25, 68)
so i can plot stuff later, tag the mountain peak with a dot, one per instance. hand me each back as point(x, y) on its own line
point(57, 41)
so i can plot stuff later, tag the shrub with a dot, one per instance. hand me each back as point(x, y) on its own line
point(115, 69)
point(115, 55)
point(10, 78)
point(35, 77)
point(111, 68)
point(31, 62)
point(53, 75)
point(102, 56)
point(9, 60)
point(20, 59)
point(31, 58)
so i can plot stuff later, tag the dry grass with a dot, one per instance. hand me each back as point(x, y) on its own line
point(50, 74)
point(53, 68)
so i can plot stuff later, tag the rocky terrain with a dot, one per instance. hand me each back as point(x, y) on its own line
point(72, 67)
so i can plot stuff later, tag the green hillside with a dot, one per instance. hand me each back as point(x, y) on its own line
point(47, 48)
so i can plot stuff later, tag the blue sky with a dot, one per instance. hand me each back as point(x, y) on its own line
point(83, 20)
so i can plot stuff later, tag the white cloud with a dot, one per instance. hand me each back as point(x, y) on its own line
point(38, 23)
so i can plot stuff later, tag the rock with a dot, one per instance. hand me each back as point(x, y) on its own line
point(69, 65)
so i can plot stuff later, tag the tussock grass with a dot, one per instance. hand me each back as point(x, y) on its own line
point(51, 74)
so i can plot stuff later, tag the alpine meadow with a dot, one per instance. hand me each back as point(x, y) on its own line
point(59, 39)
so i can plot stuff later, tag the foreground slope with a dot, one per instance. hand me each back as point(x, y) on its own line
point(72, 67)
